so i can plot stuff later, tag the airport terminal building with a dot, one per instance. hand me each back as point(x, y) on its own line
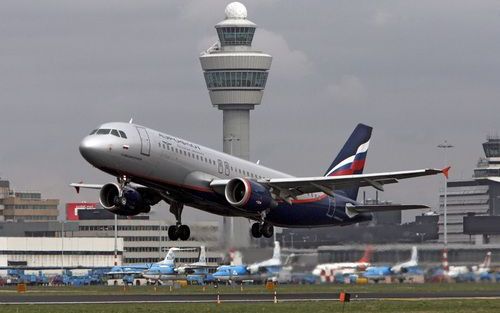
point(475, 197)
point(56, 253)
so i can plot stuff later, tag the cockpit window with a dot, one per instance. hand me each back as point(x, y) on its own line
point(103, 131)
point(93, 132)
point(123, 134)
point(115, 132)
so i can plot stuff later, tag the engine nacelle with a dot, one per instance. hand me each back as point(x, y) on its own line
point(248, 195)
point(127, 201)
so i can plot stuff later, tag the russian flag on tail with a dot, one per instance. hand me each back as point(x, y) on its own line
point(351, 158)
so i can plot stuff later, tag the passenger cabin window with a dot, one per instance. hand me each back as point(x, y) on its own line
point(115, 133)
point(103, 131)
point(122, 134)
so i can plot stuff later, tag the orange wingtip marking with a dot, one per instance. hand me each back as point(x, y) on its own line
point(445, 171)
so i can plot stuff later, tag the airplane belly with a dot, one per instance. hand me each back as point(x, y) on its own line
point(312, 214)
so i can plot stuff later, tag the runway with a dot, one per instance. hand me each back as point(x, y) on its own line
point(236, 298)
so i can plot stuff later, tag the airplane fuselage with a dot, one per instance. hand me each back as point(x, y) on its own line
point(182, 170)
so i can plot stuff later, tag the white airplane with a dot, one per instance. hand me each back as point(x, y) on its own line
point(163, 270)
point(151, 166)
point(264, 270)
point(200, 264)
point(273, 264)
point(345, 268)
point(403, 267)
point(484, 267)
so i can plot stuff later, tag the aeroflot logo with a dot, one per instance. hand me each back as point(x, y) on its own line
point(180, 141)
point(361, 149)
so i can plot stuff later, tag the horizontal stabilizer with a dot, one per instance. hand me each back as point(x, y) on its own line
point(384, 207)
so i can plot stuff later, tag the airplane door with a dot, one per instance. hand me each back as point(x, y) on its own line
point(145, 142)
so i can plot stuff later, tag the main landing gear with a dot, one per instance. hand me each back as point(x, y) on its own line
point(262, 229)
point(178, 231)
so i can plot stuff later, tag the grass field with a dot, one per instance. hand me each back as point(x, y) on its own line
point(455, 306)
point(334, 288)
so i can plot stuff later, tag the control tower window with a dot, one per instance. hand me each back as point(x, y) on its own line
point(103, 131)
point(236, 36)
point(236, 79)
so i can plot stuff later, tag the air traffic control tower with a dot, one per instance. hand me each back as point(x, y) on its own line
point(236, 76)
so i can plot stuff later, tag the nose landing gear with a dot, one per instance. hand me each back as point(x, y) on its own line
point(178, 231)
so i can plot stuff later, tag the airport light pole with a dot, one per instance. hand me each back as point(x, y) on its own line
point(116, 240)
point(445, 145)
point(62, 247)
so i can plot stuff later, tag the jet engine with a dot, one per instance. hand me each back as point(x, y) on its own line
point(127, 201)
point(248, 195)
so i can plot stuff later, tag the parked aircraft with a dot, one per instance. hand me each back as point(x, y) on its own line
point(470, 273)
point(264, 270)
point(198, 272)
point(377, 273)
point(406, 266)
point(127, 274)
point(344, 268)
point(151, 166)
point(163, 270)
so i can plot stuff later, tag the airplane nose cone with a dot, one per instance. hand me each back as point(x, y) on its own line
point(90, 148)
point(316, 272)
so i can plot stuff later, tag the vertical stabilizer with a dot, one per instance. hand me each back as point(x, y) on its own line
point(414, 255)
point(170, 257)
point(203, 255)
point(277, 251)
point(351, 158)
point(367, 255)
point(487, 261)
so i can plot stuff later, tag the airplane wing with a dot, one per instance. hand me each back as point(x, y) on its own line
point(77, 186)
point(295, 186)
point(352, 210)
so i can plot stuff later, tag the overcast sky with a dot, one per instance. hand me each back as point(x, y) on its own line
point(419, 72)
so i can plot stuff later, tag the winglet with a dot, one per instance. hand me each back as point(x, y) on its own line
point(77, 186)
point(445, 171)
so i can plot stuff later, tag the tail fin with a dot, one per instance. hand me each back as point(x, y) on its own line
point(351, 159)
point(170, 257)
point(236, 257)
point(277, 251)
point(487, 261)
point(367, 255)
point(414, 255)
point(203, 255)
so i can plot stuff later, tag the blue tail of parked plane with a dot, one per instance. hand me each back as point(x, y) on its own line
point(351, 159)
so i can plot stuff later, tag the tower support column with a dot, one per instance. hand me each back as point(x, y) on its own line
point(236, 132)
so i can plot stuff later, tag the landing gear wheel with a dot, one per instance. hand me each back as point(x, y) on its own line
point(183, 231)
point(256, 230)
point(172, 233)
point(267, 230)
